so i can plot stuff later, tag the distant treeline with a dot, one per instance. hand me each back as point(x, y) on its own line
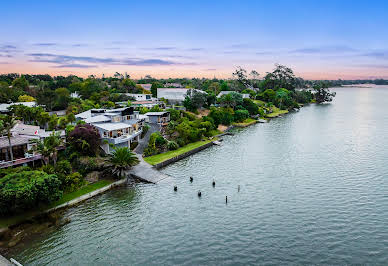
point(62, 81)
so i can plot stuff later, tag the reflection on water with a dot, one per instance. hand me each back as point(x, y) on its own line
point(313, 191)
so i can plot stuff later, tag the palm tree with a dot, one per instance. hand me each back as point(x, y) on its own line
point(8, 123)
point(48, 147)
point(122, 159)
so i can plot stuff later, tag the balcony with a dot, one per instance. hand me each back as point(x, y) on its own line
point(20, 161)
point(123, 138)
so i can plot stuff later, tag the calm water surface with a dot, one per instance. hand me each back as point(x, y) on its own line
point(314, 190)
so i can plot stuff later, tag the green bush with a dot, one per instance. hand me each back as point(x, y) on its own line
point(240, 115)
point(26, 190)
point(73, 181)
point(172, 145)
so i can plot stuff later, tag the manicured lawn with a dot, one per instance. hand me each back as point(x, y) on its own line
point(82, 191)
point(246, 122)
point(259, 102)
point(7, 221)
point(155, 159)
point(276, 112)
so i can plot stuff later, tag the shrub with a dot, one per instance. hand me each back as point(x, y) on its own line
point(73, 181)
point(26, 190)
point(240, 115)
point(145, 130)
point(172, 145)
point(84, 139)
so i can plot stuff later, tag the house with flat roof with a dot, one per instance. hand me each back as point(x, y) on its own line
point(22, 142)
point(117, 127)
point(174, 95)
point(244, 95)
point(160, 118)
point(141, 97)
point(4, 106)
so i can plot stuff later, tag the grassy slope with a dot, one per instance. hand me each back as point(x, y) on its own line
point(276, 112)
point(82, 191)
point(8, 221)
point(246, 122)
point(155, 159)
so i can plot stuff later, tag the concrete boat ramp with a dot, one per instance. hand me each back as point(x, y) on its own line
point(146, 173)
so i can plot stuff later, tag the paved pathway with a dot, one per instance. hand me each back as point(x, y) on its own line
point(143, 143)
point(145, 172)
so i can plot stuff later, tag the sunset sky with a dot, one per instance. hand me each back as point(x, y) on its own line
point(318, 39)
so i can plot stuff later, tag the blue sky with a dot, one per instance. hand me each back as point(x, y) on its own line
point(318, 39)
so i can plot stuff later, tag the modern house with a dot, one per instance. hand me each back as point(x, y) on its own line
point(4, 106)
point(117, 127)
point(22, 142)
point(160, 118)
point(222, 93)
point(141, 97)
point(174, 95)
point(149, 104)
point(20, 148)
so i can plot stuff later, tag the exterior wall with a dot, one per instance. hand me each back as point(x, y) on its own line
point(181, 156)
point(140, 97)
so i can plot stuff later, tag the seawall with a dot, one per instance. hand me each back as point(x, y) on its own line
point(86, 196)
point(181, 156)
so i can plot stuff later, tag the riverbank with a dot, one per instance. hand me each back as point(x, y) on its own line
point(246, 123)
point(29, 215)
point(162, 159)
point(21, 227)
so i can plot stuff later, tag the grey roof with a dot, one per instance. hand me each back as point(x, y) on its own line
point(84, 115)
point(97, 118)
point(112, 126)
point(21, 128)
point(155, 113)
point(131, 121)
point(17, 140)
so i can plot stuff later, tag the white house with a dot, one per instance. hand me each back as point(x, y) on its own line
point(118, 127)
point(222, 93)
point(4, 106)
point(141, 97)
point(174, 95)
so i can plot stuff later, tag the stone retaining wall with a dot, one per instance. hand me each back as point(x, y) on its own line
point(181, 156)
point(86, 196)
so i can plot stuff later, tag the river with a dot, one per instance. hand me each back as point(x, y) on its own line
point(313, 190)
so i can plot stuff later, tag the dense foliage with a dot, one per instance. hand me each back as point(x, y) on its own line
point(84, 139)
point(27, 189)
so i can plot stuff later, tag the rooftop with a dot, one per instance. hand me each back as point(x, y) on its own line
point(96, 119)
point(17, 140)
point(112, 126)
point(155, 113)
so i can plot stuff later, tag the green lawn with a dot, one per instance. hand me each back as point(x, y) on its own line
point(259, 102)
point(246, 122)
point(8, 221)
point(155, 159)
point(276, 112)
point(82, 191)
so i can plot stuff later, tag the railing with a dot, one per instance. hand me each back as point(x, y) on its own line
point(124, 138)
point(4, 164)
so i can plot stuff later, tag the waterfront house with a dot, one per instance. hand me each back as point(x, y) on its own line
point(160, 118)
point(117, 127)
point(22, 142)
point(141, 97)
point(4, 106)
point(244, 95)
point(174, 95)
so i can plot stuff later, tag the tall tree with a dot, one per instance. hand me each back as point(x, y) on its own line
point(120, 160)
point(241, 75)
point(8, 122)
